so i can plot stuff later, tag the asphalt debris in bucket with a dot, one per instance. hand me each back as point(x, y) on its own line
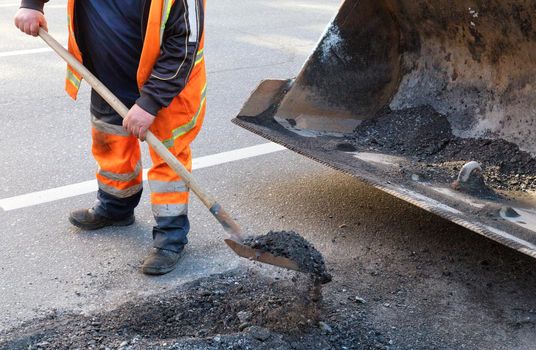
point(425, 136)
point(293, 246)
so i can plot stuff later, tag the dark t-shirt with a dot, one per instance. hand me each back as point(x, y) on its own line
point(109, 35)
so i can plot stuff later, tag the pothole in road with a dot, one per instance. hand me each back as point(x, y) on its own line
point(240, 309)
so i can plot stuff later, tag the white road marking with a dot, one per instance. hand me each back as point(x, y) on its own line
point(24, 52)
point(58, 193)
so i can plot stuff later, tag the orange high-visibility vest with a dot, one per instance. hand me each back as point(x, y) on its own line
point(156, 23)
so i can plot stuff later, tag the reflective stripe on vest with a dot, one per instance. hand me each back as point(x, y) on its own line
point(193, 21)
point(166, 10)
point(73, 79)
point(200, 56)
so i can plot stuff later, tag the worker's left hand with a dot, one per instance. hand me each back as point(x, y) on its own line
point(138, 121)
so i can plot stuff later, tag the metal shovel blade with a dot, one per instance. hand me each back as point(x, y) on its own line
point(261, 256)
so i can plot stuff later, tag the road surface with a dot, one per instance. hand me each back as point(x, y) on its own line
point(427, 283)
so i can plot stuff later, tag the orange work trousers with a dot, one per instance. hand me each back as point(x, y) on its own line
point(119, 173)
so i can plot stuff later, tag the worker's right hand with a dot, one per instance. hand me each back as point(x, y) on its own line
point(29, 21)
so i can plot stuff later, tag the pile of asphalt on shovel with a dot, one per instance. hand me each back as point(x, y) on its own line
point(247, 308)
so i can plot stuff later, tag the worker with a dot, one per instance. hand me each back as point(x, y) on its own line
point(149, 53)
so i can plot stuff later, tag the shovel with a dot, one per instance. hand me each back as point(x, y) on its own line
point(236, 237)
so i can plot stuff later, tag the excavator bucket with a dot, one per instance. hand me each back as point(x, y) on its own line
point(431, 101)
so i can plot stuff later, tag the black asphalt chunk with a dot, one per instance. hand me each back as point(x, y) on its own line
point(293, 246)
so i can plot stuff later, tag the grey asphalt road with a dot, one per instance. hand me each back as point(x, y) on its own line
point(46, 264)
point(421, 275)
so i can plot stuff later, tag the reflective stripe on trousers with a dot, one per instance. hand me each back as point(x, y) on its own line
point(120, 171)
point(168, 192)
point(119, 159)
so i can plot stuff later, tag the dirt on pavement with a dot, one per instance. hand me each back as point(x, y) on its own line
point(402, 279)
point(237, 310)
point(388, 292)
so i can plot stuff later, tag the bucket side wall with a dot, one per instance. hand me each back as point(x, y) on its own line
point(473, 61)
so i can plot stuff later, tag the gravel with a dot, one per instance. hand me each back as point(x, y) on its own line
point(426, 137)
point(205, 314)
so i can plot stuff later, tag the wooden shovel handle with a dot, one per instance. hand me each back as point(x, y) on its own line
point(221, 215)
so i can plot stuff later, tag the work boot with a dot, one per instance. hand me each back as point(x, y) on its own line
point(160, 261)
point(87, 219)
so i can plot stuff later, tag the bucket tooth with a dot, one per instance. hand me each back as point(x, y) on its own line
point(509, 212)
point(469, 172)
point(471, 180)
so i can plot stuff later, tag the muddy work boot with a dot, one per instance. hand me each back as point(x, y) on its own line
point(160, 261)
point(87, 219)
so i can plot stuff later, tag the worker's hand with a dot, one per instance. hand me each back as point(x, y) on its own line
point(138, 121)
point(29, 21)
